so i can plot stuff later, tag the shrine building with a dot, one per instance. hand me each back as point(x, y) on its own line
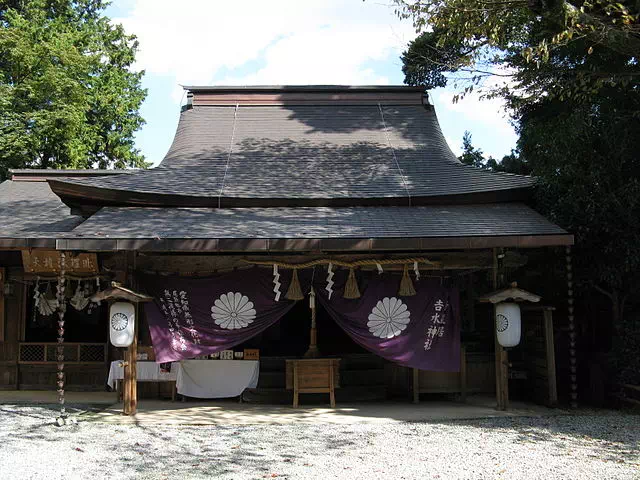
point(294, 242)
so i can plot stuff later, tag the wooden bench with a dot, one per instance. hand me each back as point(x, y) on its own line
point(317, 375)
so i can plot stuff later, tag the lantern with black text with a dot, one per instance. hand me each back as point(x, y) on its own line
point(122, 320)
point(508, 324)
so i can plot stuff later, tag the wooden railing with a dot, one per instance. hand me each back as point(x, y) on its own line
point(46, 353)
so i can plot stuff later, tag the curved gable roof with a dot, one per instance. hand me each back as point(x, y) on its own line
point(302, 146)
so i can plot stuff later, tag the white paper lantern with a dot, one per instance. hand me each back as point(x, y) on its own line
point(122, 322)
point(508, 324)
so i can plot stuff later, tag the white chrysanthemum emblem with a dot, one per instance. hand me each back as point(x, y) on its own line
point(233, 311)
point(388, 318)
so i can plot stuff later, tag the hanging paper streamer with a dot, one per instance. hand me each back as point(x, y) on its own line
point(79, 299)
point(312, 299)
point(416, 270)
point(379, 268)
point(330, 282)
point(276, 282)
point(93, 305)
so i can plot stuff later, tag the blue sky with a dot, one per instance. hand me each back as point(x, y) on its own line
point(254, 42)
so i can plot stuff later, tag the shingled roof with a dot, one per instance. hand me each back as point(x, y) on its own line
point(288, 168)
point(30, 207)
point(314, 228)
point(308, 146)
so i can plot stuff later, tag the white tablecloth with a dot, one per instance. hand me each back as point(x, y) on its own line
point(147, 372)
point(216, 378)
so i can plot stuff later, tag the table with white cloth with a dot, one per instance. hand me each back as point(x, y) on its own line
point(147, 372)
point(197, 378)
point(216, 378)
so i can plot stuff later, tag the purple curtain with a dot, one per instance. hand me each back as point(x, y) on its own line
point(198, 316)
point(420, 331)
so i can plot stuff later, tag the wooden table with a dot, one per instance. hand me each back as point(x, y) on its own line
point(148, 371)
point(313, 375)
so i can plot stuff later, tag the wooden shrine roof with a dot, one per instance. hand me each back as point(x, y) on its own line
point(304, 146)
point(305, 168)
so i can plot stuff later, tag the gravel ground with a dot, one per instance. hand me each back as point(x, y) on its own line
point(588, 445)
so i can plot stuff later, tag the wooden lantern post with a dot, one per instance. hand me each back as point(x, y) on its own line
point(501, 355)
point(130, 383)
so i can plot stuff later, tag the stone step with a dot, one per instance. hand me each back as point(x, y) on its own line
point(280, 396)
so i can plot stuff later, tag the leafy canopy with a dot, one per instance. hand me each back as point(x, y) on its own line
point(479, 38)
point(69, 97)
point(572, 87)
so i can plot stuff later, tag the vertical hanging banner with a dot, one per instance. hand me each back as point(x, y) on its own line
point(419, 331)
point(199, 316)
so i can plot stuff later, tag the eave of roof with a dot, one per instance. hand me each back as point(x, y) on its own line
point(314, 229)
point(41, 175)
point(31, 209)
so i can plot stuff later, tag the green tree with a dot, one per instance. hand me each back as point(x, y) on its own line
point(486, 34)
point(512, 163)
point(578, 138)
point(471, 155)
point(69, 97)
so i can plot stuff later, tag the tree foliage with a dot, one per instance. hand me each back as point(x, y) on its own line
point(488, 33)
point(573, 90)
point(69, 97)
point(471, 155)
point(512, 163)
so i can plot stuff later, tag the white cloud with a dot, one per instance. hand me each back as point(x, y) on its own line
point(294, 42)
point(455, 145)
point(489, 112)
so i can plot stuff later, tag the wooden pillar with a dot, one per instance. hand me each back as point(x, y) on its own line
point(332, 389)
point(463, 373)
point(552, 397)
point(313, 351)
point(2, 279)
point(501, 356)
point(416, 384)
point(130, 388)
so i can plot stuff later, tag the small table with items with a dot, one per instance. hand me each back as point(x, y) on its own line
point(147, 372)
point(196, 378)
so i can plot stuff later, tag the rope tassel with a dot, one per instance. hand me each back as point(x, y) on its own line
point(351, 289)
point(406, 285)
point(295, 291)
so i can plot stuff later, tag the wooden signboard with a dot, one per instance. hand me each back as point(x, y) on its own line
point(48, 261)
point(251, 354)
